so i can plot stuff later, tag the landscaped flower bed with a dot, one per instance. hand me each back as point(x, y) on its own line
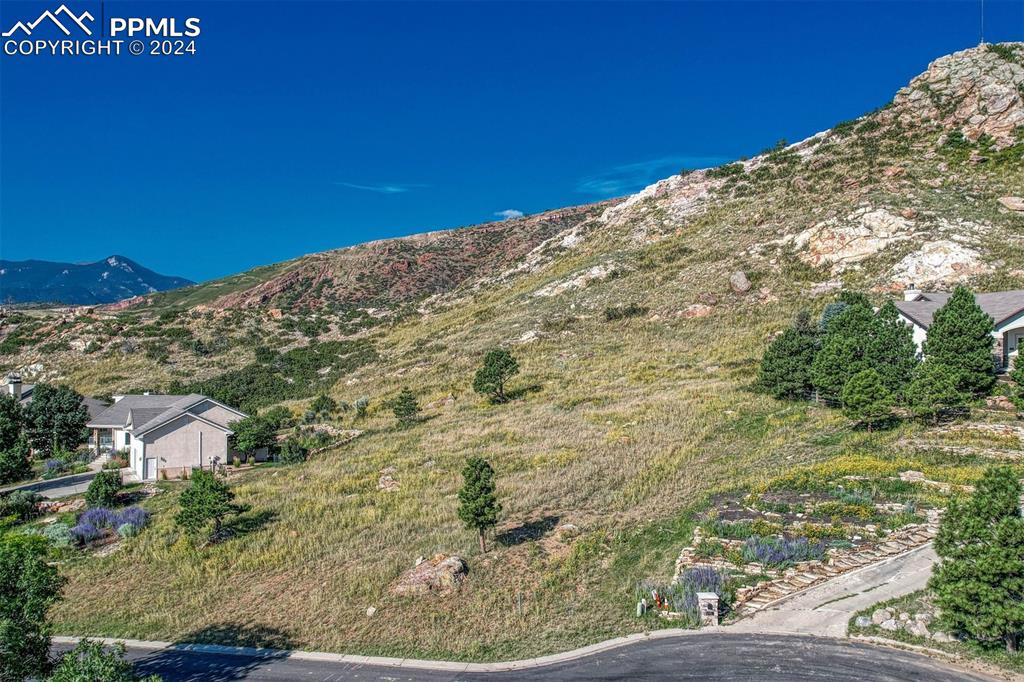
point(678, 599)
point(99, 525)
point(818, 521)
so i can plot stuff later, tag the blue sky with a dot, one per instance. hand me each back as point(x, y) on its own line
point(300, 127)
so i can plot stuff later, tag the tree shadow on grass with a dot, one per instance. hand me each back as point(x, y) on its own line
point(532, 530)
point(522, 392)
point(238, 652)
point(245, 523)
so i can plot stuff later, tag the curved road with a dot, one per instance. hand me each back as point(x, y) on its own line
point(714, 657)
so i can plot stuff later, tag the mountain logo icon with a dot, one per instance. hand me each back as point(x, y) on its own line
point(69, 17)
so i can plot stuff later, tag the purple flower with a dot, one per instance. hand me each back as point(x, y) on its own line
point(135, 516)
point(100, 517)
point(52, 465)
point(780, 551)
point(85, 532)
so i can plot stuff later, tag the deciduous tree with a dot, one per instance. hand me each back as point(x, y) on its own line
point(253, 433)
point(55, 419)
point(29, 586)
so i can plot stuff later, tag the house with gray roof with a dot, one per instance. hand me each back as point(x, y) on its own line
point(166, 436)
point(1006, 308)
point(23, 393)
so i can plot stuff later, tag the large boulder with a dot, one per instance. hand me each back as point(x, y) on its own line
point(439, 574)
point(738, 282)
point(1013, 203)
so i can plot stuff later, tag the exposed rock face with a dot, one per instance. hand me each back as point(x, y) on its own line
point(942, 261)
point(977, 91)
point(578, 281)
point(440, 574)
point(861, 234)
point(666, 203)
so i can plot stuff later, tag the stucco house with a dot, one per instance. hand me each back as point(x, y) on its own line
point(167, 436)
point(1005, 307)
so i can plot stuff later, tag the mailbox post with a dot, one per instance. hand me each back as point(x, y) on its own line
point(707, 605)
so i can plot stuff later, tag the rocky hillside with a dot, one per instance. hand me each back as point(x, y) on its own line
point(637, 325)
point(925, 190)
point(105, 281)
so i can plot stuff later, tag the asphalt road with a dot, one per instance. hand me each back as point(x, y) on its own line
point(717, 657)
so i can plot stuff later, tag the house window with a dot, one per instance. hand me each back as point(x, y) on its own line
point(127, 439)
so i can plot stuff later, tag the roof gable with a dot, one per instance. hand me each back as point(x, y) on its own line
point(1000, 305)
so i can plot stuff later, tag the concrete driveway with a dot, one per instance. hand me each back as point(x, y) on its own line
point(825, 610)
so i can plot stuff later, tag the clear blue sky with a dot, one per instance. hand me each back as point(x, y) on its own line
point(300, 127)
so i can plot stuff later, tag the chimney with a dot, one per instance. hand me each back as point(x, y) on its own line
point(14, 385)
point(911, 293)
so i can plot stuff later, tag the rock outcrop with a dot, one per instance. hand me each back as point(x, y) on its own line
point(978, 92)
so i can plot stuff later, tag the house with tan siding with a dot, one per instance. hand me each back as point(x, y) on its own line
point(166, 436)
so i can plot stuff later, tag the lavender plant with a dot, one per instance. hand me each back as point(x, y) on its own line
point(778, 552)
point(93, 521)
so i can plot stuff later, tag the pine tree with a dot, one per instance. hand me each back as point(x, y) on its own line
point(478, 503)
point(844, 350)
point(205, 499)
point(979, 584)
point(786, 364)
point(960, 337)
point(892, 350)
point(933, 390)
point(499, 366)
point(405, 407)
point(866, 399)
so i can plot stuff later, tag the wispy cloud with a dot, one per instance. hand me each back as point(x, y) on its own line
point(631, 177)
point(509, 214)
point(391, 188)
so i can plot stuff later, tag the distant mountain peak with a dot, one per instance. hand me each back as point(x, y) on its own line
point(108, 280)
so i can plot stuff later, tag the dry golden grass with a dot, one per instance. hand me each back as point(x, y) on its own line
point(621, 428)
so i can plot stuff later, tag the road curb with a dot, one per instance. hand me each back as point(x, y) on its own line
point(974, 666)
point(447, 666)
point(412, 663)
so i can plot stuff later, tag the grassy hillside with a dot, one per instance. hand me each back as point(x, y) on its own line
point(621, 427)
